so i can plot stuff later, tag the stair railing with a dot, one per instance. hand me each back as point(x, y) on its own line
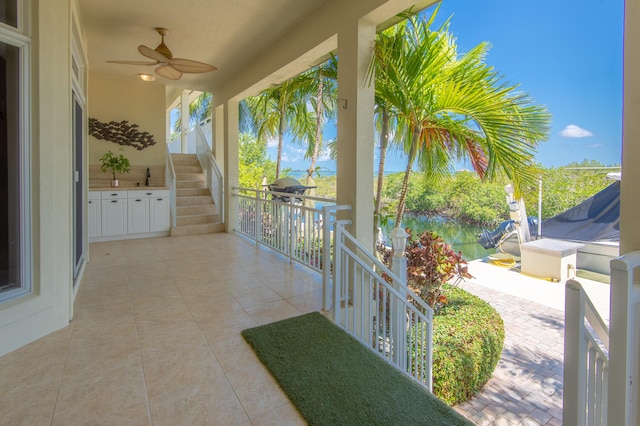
point(170, 178)
point(602, 365)
point(213, 174)
point(586, 360)
point(392, 321)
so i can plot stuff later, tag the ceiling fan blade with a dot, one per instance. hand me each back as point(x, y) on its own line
point(152, 54)
point(133, 62)
point(190, 67)
point(167, 71)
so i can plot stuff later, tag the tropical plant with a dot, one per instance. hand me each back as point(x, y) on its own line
point(199, 110)
point(455, 106)
point(322, 81)
point(114, 163)
point(283, 109)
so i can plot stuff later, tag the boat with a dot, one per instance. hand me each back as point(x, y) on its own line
point(595, 223)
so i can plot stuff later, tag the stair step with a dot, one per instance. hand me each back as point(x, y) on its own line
point(191, 184)
point(188, 169)
point(189, 176)
point(197, 219)
point(194, 210)
point(192, 192)
point(206, 228)
point(184, 159)
point(193, 200)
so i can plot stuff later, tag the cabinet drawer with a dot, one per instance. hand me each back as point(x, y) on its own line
point(148, 193)
point(95, 195)
point(106, 195)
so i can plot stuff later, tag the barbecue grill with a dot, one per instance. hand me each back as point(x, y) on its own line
point(289, 186)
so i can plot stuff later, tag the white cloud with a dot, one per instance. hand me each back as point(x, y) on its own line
point(595, 145)
point(573, 131)
point(272, 142)
point(325, 156)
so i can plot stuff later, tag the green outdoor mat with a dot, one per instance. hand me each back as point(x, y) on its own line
point(333, 379)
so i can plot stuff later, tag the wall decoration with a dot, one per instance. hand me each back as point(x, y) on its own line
point(121, 133)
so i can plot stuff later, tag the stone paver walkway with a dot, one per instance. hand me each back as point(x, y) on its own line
point(526, 387)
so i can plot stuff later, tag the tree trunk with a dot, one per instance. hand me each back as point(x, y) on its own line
point(407, 174)
point(318, 141)
point(280, 143)
point(384, 142)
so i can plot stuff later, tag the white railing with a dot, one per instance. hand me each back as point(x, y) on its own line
point(586, 360)
point(212, 173)
point(170, 178)
point(280, 221)
point(602, 366)
point(393, 322)
point(624, 377)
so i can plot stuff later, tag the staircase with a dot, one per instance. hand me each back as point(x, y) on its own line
point(195, 211)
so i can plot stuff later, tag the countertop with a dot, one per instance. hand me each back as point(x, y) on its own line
point(126, 188)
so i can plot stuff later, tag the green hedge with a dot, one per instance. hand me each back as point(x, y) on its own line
point(468, 335)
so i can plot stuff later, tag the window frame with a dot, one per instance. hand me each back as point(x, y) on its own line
point(14, 37)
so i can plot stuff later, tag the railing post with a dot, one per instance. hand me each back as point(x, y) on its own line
point(258, 225)
point(398, 326)
point(337, 271)
point(326, 259)
point(575, 361)
point(623, 342)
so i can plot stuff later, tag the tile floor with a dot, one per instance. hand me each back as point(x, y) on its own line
point(156, 339)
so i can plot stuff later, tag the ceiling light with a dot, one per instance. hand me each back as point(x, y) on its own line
point(147, 77)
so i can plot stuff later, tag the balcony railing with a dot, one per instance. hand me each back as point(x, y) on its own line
point(212, 173)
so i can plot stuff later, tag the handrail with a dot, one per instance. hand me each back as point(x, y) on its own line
point(213, 175)
point(393, 322)
point(170, 177)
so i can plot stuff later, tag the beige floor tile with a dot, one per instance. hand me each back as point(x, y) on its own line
point(295, 287)
point(212, 403)
point(272, 311)
point(284, 415)
point(203, 308)
point(161, 310)
point(256, 296)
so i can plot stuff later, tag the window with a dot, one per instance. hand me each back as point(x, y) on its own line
point(15, 210)
point(9, 12)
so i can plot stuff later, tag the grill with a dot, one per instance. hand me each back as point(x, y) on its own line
point(289, 186)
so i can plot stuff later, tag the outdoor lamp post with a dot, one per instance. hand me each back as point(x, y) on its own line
point(399, 261)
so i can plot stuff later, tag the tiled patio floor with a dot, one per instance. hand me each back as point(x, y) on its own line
point(156, 340)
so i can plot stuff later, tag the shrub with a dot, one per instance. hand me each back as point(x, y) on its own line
point(468, 335)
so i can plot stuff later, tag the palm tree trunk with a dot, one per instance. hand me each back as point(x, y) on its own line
point(384, 142)
point(318, 140)
point(407, 173)
point(280, 143)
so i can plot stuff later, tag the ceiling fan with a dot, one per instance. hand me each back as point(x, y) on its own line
point(169, 67)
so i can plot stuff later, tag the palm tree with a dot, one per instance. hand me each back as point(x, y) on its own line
point(199, 110)
point(321, 80)
point(283, 109)
point(455, 107)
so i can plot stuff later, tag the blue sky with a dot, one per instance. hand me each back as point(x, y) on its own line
point(566, 54)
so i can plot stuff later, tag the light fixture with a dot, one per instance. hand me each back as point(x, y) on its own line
point(147, 77)
point(399, 241)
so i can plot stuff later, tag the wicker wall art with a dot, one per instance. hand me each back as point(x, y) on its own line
point(121, 133)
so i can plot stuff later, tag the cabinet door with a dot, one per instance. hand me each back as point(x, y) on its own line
point(94, 213)
point(114, 217)
point(138, 220)
point(158, 214)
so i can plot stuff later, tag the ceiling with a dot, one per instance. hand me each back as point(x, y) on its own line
point(224, 33)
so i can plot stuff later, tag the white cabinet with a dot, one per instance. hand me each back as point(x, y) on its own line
point(138, 218)
point(119, 214)
point(159, 212)
point(94, 213)
point(114, 213)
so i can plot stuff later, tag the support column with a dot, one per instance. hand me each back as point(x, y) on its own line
point(184, 117)
point(217, 145)
point(355, 143)
point(230, 162)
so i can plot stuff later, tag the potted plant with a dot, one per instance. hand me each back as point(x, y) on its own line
point(114, 164)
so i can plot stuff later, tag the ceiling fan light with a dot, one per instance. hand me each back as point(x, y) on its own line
point(147, 77)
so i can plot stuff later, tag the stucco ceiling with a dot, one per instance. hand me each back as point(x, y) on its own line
point(224, 33)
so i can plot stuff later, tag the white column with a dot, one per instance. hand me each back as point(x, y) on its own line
point(230, 162)
point(217, 145)
point(355, 128)
point(184, 116)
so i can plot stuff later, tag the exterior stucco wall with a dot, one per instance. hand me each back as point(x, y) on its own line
point(48, 307)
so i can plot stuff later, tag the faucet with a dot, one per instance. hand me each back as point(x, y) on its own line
point(146, 183)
